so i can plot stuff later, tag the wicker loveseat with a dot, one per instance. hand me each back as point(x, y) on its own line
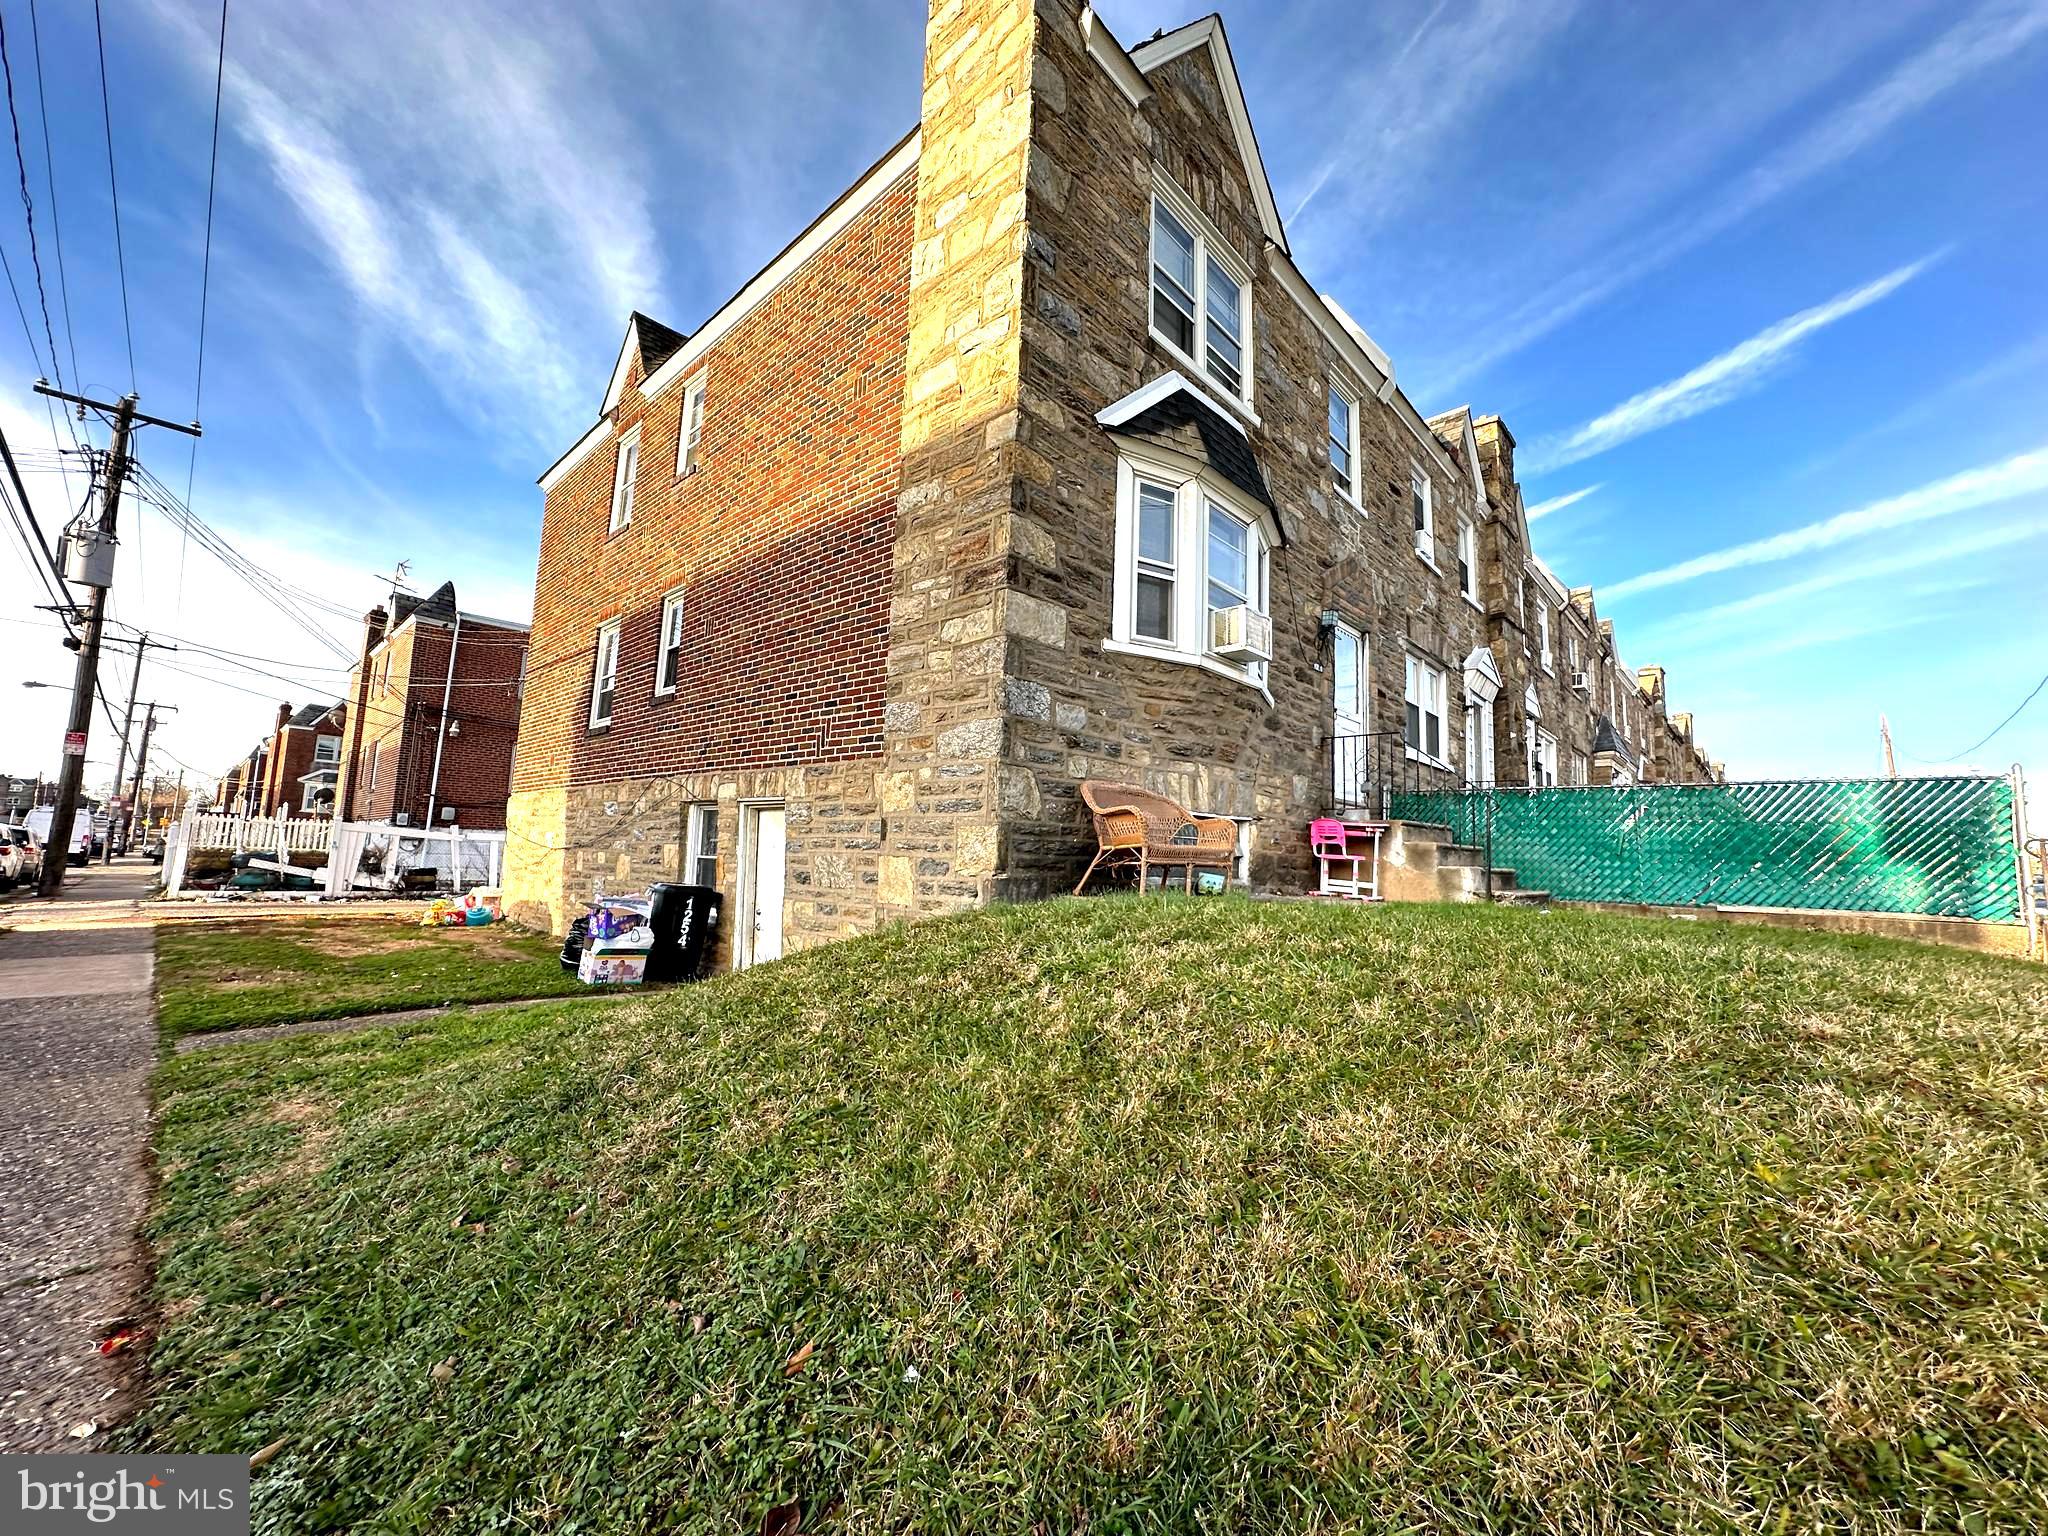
point(1135, 828)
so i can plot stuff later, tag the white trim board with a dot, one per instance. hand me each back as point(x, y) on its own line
point(1117, 412)
point(1209, 32)
point(858, 199)
point(1105, 50)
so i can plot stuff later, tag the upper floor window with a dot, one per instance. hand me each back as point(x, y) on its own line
point(1192, 573)
point(1344, 442)
point(1543, 634)
point(376, 761)
point(623, 476)
point(1198, 296)
point(692, 427)
point(669, 665)
point(1426, 701)
point(327, 749)
point(604, 677)
point(1468, 561)
point(1571, 649)
point(1425, 514)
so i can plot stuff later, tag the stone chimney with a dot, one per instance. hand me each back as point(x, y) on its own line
point(1496, 459)
point(944, 721)
point(284, 713)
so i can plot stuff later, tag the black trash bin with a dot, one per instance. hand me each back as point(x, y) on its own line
point(572, 946)
point(685, 923)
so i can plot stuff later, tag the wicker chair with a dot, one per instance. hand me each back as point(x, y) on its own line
point(1136, 828)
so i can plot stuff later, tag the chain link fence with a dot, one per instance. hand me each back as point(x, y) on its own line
point(1930, 847)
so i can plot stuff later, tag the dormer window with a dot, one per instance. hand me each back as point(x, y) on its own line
point(1199, 293)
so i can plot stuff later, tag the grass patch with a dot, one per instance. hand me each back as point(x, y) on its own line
point(280, 970)
point(1142, 1215)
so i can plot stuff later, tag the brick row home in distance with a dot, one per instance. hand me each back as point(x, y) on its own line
point(1034, 459)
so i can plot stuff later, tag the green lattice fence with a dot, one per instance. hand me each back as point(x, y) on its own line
point(1934, 847)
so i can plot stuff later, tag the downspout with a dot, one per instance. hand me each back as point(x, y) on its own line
point(441, 734)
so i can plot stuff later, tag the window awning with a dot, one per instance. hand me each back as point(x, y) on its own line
point(1175, 414)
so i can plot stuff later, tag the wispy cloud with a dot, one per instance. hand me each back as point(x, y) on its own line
point(2020, 475)
point(1424, 88)
point(1559, 503)
point(1718, 380)
point(475, 224)
point(1743, 610)
point(1988, 36)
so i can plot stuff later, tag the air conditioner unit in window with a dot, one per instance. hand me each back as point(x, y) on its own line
point(1240, 633)
point(1583, 681)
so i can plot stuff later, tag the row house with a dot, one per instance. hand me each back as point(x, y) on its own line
point(1035, 459)
point(298, 764)
point(434, 701)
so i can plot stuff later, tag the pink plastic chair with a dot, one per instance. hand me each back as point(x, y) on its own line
point(1326, 838)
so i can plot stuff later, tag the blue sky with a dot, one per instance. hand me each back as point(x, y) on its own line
point(1757, 288)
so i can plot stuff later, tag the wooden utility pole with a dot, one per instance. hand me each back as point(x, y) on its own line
point(144, 643)
point(141, 757)
point(85, 682)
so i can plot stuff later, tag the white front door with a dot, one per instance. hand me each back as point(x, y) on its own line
point(1479, 741)
point(767, 843)
point(1352, 688)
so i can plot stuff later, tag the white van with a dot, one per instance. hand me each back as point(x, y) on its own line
point(80, 851)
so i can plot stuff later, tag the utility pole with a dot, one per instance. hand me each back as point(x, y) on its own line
point(86, 680)
point(127, 724)
point(141, 757)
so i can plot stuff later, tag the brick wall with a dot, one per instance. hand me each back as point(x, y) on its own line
point(781, 543)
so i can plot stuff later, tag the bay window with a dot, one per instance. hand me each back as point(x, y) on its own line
point(1426, 701)
point(1200, 293)
point(1189, 549)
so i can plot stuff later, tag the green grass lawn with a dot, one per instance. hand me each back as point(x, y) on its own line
point(1148, 1215)
point(277, 970)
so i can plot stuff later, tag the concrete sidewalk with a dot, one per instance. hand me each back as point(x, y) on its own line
point(77, 1040)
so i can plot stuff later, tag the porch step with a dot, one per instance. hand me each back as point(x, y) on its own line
point(1504, 879)
point(1517, 898)
point(1459, 856)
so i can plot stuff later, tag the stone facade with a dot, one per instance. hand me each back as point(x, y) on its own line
point(959, 483)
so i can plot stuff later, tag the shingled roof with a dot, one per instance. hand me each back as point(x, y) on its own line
point(1173, 412)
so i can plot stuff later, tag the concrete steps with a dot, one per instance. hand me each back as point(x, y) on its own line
point(1420, 862)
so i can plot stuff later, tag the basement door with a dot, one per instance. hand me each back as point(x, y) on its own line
point(766, 843)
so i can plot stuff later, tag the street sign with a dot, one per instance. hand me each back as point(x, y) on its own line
point(74, 743)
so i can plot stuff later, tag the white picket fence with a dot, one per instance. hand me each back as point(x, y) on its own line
point(361, 855)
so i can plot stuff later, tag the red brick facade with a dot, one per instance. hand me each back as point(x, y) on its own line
point(780, 540)
point(397, 690)
point(290, 757)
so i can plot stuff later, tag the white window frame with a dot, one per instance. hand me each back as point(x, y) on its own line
point(376, 761)
point(703, 814)
point(668, 657)
point(1194, 494)
point(1468, 561)
point(1425, 690)
point(1349, 485)
point(690, 428)
point(604, 674)
point(326, 750)
point(1543, 635)
point(1211, 250)
point(625, 474)
point(1543, 759)
point(1425, 536)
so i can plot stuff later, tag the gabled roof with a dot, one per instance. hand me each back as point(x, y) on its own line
point(1172, 411)
point(1453, 429)
point(311, 714)
point(1208, 33)
point(652, 342)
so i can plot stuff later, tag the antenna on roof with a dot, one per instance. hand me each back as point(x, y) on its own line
point(396, 581)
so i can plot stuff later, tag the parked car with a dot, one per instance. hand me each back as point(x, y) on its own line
point(12, 872)
point(28, 850)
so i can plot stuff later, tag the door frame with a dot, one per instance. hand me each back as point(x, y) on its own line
point(1338, 787)
point(749, 856)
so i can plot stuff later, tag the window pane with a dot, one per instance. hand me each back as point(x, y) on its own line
point(1340, 439)
point(1229, 559)
point(1173, 248)
point(1413, 733)
point(1155, 524)
point(1225, 302)
point(1435, 746)
point(1420, 498)
point(1350, 694)
point(1153, 610)
point(1173, 325)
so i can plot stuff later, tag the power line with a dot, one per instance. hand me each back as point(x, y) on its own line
point(220, 66)
point(28, 207)
point(35, 33)
point(113, 190)
point(2008, 720)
